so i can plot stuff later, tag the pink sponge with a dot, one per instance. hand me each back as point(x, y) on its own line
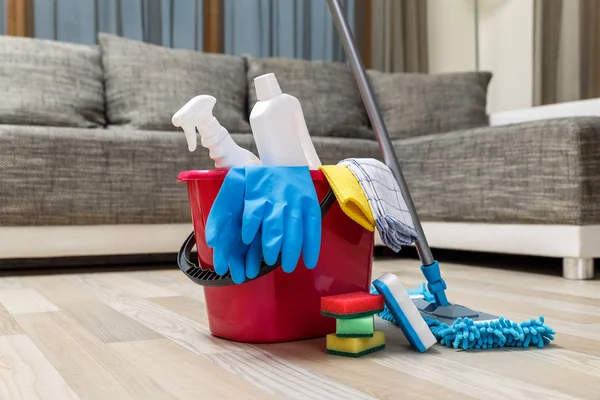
point(351, 305)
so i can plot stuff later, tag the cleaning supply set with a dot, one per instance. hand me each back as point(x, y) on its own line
point(272, 217)
point(253, 214)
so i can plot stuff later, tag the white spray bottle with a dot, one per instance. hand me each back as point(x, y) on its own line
point(198, 114)
point(279, 128)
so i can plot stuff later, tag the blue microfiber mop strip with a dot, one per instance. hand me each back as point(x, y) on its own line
point(468, 334)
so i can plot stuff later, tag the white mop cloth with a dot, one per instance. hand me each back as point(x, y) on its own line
point(392, 218)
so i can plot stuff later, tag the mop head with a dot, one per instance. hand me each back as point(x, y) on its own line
point(464, 333)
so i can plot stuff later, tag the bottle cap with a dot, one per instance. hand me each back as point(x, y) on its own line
point(267, 87)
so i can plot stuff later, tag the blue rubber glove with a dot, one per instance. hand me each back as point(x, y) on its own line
point(223, 231)
point(281, 202)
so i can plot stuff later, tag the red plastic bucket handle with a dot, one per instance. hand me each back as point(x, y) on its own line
point(208, 277)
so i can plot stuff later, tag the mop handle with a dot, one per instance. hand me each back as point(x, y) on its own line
point(379, 128)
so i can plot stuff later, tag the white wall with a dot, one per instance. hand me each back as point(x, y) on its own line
point(506, 38)
point(451, 35)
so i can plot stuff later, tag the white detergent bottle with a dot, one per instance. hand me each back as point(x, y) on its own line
point(279, 127)
point(198, 114)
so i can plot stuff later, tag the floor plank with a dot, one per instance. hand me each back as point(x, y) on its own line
point(577, 344)
point(8, 325)
point(186, 307)
point(92, 368)
point(59, 289)
point(108, 324)
point(467, 379)
point(134, 287)
point(363, 374)
point(544, 370)
point(189, 334)
point(20, 301)
point(145, 335)
point(283, 378)
point(10, 283)
point(172, 280)
point(69, 295)
point(26, 374)
point(277, 375)
point(185, 374)
point(506, 373)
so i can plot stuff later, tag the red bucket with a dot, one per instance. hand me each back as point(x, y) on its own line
point(279, 306)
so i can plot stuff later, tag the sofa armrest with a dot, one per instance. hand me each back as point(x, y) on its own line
point(544, 171)
point(568, 109)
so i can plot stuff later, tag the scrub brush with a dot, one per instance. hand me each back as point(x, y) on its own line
point(399, 304)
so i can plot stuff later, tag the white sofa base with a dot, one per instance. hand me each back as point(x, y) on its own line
point(577, 245)
point(95, 240)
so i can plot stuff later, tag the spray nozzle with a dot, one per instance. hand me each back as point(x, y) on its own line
point(196, 112)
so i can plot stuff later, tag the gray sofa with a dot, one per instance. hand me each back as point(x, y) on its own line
point(86, 142)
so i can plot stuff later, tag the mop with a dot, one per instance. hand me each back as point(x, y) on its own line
point(466, 333)
point(453, 325)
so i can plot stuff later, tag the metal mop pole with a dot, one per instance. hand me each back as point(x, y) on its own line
point(379, 128)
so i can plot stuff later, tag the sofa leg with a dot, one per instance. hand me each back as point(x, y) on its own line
point(578, 268)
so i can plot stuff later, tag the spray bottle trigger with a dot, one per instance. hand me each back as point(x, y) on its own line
point(190, 135)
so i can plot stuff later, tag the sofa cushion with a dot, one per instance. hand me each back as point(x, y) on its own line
point(146, 83)
point(414, 104)
point(70, 176)
point(543, 172)
point(50, 83)
point(330, 100)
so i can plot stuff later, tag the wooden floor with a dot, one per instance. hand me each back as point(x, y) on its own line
point(144, 335)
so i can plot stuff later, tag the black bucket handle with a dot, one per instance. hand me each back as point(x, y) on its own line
point(207, 277)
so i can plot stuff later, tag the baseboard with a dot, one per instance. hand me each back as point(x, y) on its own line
point(72, 241)
point(98, 240)
point(523, 239)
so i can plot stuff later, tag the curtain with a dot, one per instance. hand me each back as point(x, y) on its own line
point(2, 17)
point(172, 23)
point(285, 28)
point(261, 28)
point(399, 35)
point(567, 50)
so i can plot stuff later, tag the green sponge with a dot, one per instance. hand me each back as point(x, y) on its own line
point(355, 327)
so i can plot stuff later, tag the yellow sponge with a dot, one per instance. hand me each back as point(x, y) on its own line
point(355, 347)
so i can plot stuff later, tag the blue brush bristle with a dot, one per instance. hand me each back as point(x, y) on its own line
point(468, 334)
point(422, 290)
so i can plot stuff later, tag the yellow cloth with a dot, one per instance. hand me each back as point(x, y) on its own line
point(349, 194)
